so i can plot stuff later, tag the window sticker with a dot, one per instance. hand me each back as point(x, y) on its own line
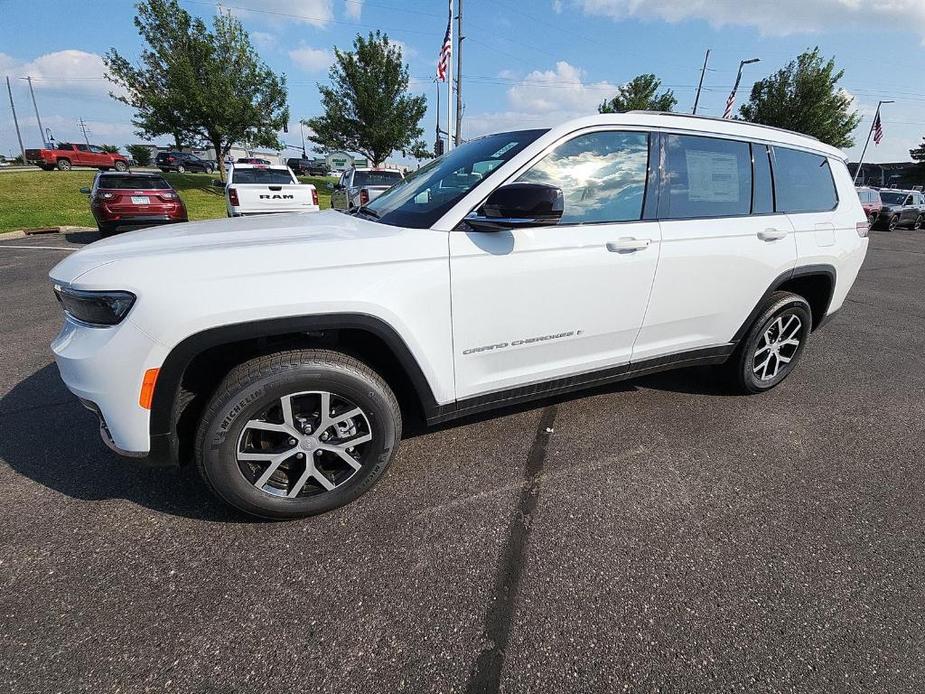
point(712, 176)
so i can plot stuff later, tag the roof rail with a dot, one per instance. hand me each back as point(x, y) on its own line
point(724, 120)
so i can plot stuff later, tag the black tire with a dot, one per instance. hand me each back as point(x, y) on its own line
point(106, 229)
point(165, 170)
point(741, 367)
point(64, 165)
point(120, 166)
point(872, 219)
point(209, 169)
point(255, 388)
point(181, 169)
point(918, 222)
point(893, 223)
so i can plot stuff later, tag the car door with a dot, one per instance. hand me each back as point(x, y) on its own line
point(546, 302)
point(339, 194)
point(910, 211)
point(723, 244)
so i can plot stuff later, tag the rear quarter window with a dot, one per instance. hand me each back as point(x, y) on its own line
point(803, 182)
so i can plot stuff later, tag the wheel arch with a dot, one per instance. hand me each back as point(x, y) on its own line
point(815, 283)
point(218, 349)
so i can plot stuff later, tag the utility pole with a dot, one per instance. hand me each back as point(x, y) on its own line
point(449, 90)
point(864, 151)
point(15, 121)
point(700, 86)
point(438, 139)
point(83, 129)
point(459, 41)
point(36, 107)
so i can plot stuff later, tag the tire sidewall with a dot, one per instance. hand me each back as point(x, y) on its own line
point(785, 306)
point(221, 434)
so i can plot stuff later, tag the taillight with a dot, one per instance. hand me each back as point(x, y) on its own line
point(169, 195)
point(233, 197)
point(314, 197)
point(863, 228)
point(364, 196)
point(107, 196)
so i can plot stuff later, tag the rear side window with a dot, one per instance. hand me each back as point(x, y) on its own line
point(602, 176)
point(803, 182)
point(265, 176)
point(707, 177)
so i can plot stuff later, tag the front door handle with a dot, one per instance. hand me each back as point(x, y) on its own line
point(628, 245)
point(772, 234)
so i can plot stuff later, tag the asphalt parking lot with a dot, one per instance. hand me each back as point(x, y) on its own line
point(662, 537)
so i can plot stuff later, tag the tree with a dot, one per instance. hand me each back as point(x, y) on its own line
point(367, 108)
point(140, 153)
point(640, 94)
point(200, 85)
point(112, 149)
point(805, 96)
point(918, 154)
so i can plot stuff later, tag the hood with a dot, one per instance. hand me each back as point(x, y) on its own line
point(209, 241)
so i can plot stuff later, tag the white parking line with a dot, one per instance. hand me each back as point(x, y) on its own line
point(41, 248)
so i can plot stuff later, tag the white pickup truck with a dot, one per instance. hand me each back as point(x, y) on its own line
point(263, 189)
point(358, 187)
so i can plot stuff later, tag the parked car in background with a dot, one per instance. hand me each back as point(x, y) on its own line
point(519, 265)
point(66, 155)
point(901, 208)
point(181, 162)
point(261, 189)
point(133, 199)
point(252, 160)
point(307, 167)
point(358, 187)
point(871, 202)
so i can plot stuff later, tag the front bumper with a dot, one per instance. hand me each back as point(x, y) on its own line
point(104, 367)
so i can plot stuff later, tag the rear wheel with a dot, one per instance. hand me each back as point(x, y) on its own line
point(64, 165)
point(106, 229)
point(121, 166)
point(181, 169)
point(293, 434)
point(872, 219)
point(773, 345)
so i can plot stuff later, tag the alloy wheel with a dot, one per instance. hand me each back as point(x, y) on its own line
point(304, 444)
point(777, 346)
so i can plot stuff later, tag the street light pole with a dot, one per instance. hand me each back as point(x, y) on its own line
point(36, 107)
point(706, 59)
point(869, 133)
point(730, 102)
point(15, 120)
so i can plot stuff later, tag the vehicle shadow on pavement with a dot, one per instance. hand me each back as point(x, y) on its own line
point(49, 437)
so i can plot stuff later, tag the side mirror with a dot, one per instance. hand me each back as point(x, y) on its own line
point(519, 205)
point(85, 191)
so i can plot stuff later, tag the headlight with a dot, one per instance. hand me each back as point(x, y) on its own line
point(97, 309)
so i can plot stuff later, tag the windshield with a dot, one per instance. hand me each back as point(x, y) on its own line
point(266, 176)
point(425, 195)
point(112, 182)
point(893, 198)
point(375, 178)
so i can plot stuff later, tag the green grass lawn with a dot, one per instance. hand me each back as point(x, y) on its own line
point(31, 199)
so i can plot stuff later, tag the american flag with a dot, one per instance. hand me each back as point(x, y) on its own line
point(446, 50)
point(878, 129)
point(730, 103)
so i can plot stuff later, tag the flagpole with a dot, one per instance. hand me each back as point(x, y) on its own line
point(867, 143)
point(449, 89)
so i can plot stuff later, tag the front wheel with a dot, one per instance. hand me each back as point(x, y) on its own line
point(918, 222)
point(297, 433)
point(872, 219)
point(773, 345)
point(894, 223)
point(181, 169)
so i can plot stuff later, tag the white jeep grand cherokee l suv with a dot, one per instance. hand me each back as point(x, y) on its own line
point(273, 352)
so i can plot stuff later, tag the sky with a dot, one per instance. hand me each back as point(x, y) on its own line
point(527, 63)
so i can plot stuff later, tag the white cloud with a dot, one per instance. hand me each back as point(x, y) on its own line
point(312, 59)
point(264, 39)
point(353, 8)
point(562, 89)
point(407, 52)
point(315, 12)
point(68, 70)
point(777, 17)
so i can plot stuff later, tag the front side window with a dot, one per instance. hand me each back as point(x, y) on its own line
point(602, 176)
point(426, 195)
point(803, 182)
point(707, 177)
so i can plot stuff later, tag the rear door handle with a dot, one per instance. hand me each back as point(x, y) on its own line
point(772, 234)
point(628, 245)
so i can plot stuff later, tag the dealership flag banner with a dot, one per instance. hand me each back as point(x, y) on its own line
point(878, 129)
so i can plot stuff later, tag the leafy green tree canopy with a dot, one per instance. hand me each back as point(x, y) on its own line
point(140, 153)
point(367, 107)
point(112, 149)
point(804, 96)
point(640, 94)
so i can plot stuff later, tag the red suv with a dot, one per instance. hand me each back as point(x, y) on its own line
point(133, 199)
point(871, 202)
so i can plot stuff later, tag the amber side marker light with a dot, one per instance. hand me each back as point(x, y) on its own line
point(147, 388)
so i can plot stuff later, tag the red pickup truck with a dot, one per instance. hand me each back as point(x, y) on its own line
point(65, 155)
